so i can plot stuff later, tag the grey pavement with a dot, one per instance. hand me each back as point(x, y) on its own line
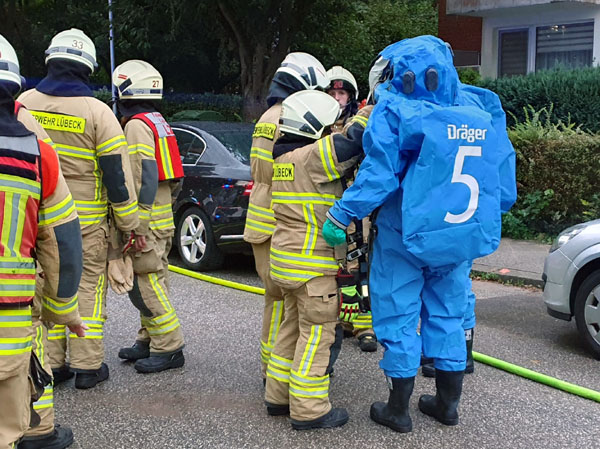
point(216, 401)
point(515, 260)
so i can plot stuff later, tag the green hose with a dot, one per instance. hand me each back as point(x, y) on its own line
point(491, 361)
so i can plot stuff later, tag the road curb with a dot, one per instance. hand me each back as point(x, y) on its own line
point(508, 278)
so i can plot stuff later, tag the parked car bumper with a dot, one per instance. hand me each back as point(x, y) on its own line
point(557, 284)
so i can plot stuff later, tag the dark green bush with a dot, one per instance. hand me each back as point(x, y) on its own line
point(558, 168)
point(575, 95)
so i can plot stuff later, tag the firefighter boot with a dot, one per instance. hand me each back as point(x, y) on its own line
point(85, 379)
point(59, 438)
point(139, 350)
point(335, 418)
point(444, 405)
point(160, 362)
point(394, 414)
point(61, 374)
point(367, 343)
point(428, 370)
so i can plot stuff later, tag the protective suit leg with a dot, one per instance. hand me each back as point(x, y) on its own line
point(273, 311)
point(396, 281)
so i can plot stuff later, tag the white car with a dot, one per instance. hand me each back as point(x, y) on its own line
point(572, 280)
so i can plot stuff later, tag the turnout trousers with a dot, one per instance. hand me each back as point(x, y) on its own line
point(297, 372)
point(273, 311)
point(150, 295)
point(86, 353)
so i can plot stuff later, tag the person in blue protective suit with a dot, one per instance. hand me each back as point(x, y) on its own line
point(487, 100)
point(435, 169)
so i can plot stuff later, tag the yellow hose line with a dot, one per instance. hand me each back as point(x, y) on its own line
point(482, 358)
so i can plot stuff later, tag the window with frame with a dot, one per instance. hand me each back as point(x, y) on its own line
point(568, 46)
point(513, 50)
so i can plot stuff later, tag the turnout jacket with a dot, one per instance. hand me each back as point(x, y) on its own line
point(306, 183)
point(260, 221)
point(93, 155)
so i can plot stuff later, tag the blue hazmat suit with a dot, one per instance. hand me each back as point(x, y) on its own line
point(434, 156)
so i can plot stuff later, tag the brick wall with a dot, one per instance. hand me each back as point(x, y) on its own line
point(462, 32)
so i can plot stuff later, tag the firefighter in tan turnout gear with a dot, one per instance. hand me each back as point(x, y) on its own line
point(298, 71)
point(157, 172)
point(38, 218)
point(93, 155)
point(306, 182)
point(344, 89)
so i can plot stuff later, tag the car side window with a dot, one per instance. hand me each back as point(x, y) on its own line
point(191, 146)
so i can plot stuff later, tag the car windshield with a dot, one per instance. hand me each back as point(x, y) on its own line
point(238, 141)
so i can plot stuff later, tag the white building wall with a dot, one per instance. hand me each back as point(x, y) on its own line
point(530, 17)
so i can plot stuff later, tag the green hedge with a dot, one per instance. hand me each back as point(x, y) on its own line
point(558, 168)
point(230, 106)
point(575, 95)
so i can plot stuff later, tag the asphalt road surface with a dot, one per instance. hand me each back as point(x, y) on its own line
point(216, 400)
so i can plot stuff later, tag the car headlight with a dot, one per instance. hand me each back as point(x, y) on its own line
point(567, 235)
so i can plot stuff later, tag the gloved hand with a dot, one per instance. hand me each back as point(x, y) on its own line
point(333, 234)
point(350, 306)
point(120, 274)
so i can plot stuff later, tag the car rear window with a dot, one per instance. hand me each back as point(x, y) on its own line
point(238, 141)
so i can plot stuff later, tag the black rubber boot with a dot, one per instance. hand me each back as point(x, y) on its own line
point(85, 379)
point(160, 362)
point(394, 414)
point(335, 418)
point(444, 405)
point(427, 368)
point(277, 409)
point(367, 343)
point(61, 374)
point(469, 334)
point(59, 438)
point(139, 350)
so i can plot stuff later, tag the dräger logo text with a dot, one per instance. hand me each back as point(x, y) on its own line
point(466, 133)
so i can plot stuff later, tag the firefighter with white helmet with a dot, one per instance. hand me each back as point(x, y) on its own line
point(93, 154)
point(307, 173)
point(343, 87)
point(33, 189)
point(157, 173)
point(298, 71)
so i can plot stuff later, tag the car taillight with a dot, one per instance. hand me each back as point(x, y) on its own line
point(248, 188)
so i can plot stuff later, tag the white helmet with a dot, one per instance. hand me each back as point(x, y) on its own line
point(75, 45)
point(340, 78)
point(306, 69)
point(307, 113)
point(9, 63)
point(138, 80)
point(377, 75)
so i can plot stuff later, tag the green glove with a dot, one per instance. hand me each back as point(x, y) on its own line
point(333, 234)
point(350, 306)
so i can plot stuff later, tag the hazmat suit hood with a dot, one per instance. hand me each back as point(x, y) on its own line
point(420, 68)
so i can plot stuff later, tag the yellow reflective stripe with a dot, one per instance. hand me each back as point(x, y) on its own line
point(72, 151)
point(144, 214)
point(311, 348)
point(312, 229)
point(333, 266)
point(260, 224)
point(165, 328)
point(17, 238)
point(16, 184)
point(57, 212)
point(90, 219)
point(162, 224)
point(306, 260)
point(15, 318)
point(99, 297)
point(309, 381)
point(17, 287)
point(293, 275)
point(144, 149)
point(46, 400)
point(15, 346)
point(327, 159)
point(111, 144)
point(160, 293)
point(60, 308)
point(258, 229)
point(49, 141)
point(262, 212)
point(128, 209)
point(84, 207)
point(166, 157)
point(161, 209)
point(17, 265)
point(261, 153)
point(302, 198)
point(58, 332)
point(275, 323)
point(39, 344)
point(277, 374)
point(360, 119)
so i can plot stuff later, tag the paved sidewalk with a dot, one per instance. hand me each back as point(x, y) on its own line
point(515, 260)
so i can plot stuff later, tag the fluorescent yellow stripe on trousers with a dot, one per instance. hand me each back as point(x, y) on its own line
point(160, 293)
point(275, 324)
point(99, 297)
point(311, 348)
point(309, 387)
point(279, 368)
point(47, 399)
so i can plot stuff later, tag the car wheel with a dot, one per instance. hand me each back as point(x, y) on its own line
point(587, 312)
point(195, 241)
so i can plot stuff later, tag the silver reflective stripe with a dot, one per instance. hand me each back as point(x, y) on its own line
point(10, 66)
point(309, 381)
point(27, 144)
point(18, 265)
point(13, 318)
point(161, 124)
point(9, 346)
point(72, 51)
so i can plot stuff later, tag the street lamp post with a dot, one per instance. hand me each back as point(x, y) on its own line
point(111, 37)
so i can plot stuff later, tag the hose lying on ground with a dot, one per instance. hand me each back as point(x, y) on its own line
point(491, 361)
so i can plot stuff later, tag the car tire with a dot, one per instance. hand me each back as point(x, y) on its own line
point(195, 241)
point(587, 312)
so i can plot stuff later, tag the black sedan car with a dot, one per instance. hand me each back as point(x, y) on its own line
point(210, 210)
